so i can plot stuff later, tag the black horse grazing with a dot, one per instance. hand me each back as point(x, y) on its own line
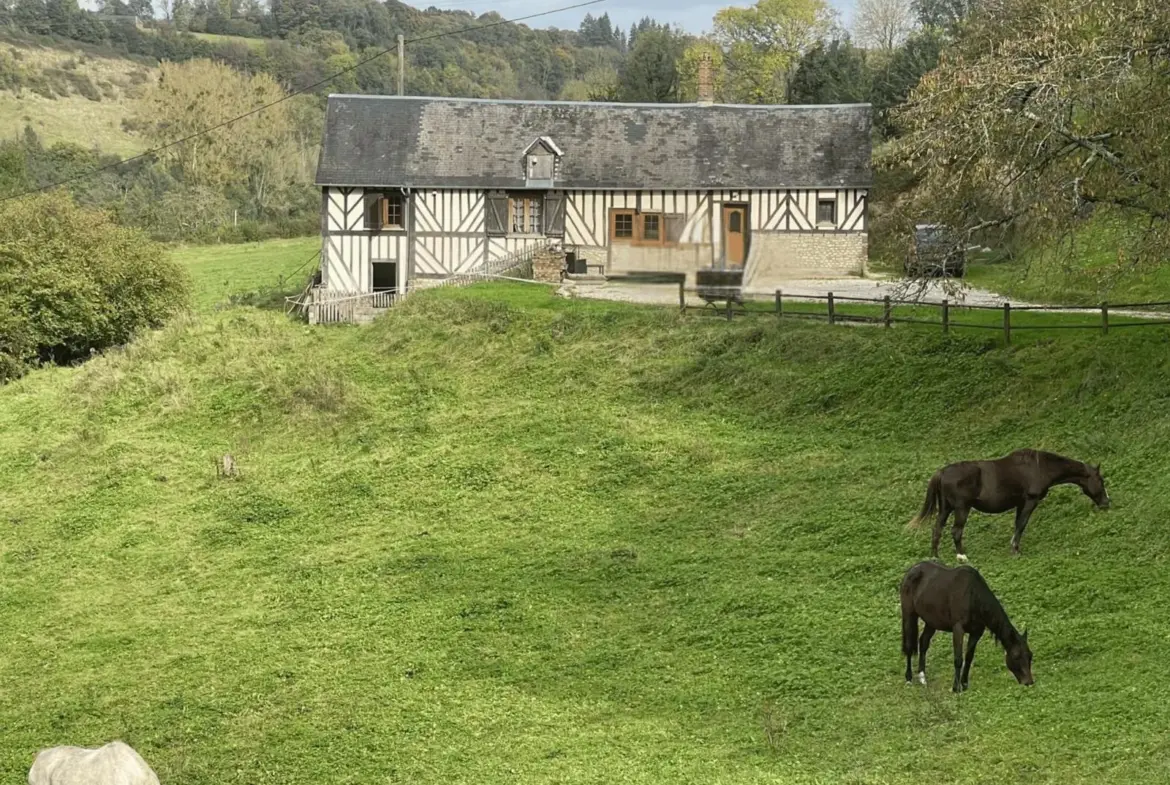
point(1017, 481)
point(959, 600)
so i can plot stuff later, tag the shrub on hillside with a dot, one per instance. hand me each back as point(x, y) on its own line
point(72, 282)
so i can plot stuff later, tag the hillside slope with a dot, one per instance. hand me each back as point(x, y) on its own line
point(500, 537)
point(67, 94)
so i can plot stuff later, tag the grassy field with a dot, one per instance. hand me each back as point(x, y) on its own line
point(1085, 269)
point(69, 116)
point(221, 272)
point(500, 537)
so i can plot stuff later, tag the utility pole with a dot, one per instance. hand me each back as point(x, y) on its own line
point(401, 60)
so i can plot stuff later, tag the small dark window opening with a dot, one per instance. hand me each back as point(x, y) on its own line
point(735, 223)
point(385, 276)
point(827, 211)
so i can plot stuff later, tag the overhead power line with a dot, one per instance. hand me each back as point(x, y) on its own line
point(326, 80)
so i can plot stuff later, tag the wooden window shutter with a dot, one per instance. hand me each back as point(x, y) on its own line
point(375, 205)
point(554, 214)
point(496, 214)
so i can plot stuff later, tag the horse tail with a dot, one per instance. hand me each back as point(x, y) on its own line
point(909, 617)
point(931, 503)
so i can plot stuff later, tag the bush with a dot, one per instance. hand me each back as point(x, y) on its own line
point(73, 283)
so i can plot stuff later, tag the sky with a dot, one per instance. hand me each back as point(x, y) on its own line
point(694, 16)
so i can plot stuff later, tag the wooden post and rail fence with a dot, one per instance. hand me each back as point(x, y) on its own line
point(882, 310)
point(884, 314)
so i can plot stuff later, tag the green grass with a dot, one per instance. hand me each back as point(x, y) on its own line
point(500, 537)
point(74, 118)
point(215, 38)
point(1087, 269)
point(223, 271)
point(71, 119)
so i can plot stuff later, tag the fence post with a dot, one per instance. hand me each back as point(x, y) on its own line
point(886, 314)
point(1104, 317)
point(1007, 324)
point(682, 295)
point(831, 315)
point(946, 314)
point(779, 306)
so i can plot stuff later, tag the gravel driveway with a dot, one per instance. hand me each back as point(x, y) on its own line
point(933, 292)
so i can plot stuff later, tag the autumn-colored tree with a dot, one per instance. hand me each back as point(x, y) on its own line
point(263, 152)
point(764, 44)
point(1044, 111)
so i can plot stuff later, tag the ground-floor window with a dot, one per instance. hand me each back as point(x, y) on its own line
point(645, 228)
point(385, 275)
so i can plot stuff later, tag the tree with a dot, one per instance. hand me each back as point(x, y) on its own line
point(831, 74)
point(765, 43)
point(72, 282)
point(883, 24)
point(945, 15)
point(899, 74)
point(650, 74)
point(259, 152)
point(1043, 111)
point(600, 32)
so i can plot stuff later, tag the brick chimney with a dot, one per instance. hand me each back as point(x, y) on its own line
point(706, 81)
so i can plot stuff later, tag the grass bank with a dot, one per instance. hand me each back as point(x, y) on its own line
point(502, 537)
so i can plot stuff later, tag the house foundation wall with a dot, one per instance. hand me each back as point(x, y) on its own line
point(776, 257)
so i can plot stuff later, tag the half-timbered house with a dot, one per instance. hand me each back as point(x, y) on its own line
point(416, 187)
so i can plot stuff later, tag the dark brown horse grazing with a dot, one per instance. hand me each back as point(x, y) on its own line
point(959, 600)
point(1017, 481)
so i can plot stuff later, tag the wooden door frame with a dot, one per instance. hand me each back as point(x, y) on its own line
point(747, 225)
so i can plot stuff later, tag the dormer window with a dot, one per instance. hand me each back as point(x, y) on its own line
point(542, 163)
point(540, 166)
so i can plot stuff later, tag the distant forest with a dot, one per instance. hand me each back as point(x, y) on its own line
point(236, 51)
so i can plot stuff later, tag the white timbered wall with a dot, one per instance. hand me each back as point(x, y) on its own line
point(448, 231)
point(449, 226)
point(587, 213)
point(348, 250)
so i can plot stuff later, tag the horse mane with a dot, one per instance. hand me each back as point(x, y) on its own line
point(1072, 465)
point(992, 613)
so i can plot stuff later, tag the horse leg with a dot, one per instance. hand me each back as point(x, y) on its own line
point(1023, 513)
point(923, 645)
point(957, 635)
point(961, 514)
point(972, 639)
point(944, 510)
point(909, 633)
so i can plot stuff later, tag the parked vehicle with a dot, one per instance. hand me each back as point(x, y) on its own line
point(937, 252)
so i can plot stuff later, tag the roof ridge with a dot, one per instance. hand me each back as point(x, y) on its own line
point(620, 104)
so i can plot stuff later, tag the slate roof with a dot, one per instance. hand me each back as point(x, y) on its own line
point(406, 141)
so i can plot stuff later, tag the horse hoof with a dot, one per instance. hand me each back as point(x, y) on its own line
point(961, 557)
point(922, 679)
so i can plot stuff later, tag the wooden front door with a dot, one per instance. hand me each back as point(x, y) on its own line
point(734, 234)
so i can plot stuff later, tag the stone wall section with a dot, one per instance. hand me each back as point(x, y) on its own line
point(779, 256)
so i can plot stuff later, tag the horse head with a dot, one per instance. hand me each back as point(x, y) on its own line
point(1093, 484)
point(1019, 659)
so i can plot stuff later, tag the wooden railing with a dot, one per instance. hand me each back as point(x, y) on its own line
point(836, 309)
point(325, 307)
